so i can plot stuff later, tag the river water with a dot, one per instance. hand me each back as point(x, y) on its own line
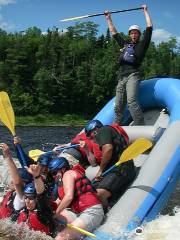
point(167, 227)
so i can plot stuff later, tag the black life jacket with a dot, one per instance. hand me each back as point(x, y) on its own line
point(127, 54)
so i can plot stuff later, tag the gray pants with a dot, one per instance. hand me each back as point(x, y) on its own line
point(126, 93)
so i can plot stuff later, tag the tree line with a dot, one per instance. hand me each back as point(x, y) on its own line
point(71, 72)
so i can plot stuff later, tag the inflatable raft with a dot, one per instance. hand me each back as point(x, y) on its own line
point(159, 169)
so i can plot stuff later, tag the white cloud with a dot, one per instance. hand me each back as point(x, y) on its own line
point(5, 25)
point(168, 15)
point(162, 35)
point(6, 2)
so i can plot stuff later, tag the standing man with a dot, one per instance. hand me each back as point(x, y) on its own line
point(112, 143)
point(131, 56)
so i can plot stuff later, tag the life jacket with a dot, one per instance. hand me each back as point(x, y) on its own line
point(121, 131)
point(32, 221)
point(127, 54)
point(84, 193)
point(92, 146)
point(6, 207)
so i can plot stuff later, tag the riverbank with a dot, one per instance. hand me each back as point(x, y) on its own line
point(71, 120)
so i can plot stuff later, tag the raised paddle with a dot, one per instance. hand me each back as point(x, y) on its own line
point(6, 112)
point(99, 14)
point(34, 154)
point(77, 229)
point(8, 119)
point(139, 146)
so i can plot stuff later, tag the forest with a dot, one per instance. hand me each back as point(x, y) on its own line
point(72, 72)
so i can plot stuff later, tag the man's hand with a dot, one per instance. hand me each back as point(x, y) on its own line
point(5, 149)
point(83, 144)
point(34, 169)
point(144, 7)
point(98, 176)
point(107, 15)
point(17, 140)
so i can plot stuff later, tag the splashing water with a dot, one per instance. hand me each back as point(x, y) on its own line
point(13, 231)
point(163, 228)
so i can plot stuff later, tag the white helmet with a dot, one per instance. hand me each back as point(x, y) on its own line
point(134, 27)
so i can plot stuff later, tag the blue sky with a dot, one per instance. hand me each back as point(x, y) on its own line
point(18, 15)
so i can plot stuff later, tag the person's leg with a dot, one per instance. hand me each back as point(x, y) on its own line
point(89, 220)
point(120, 100)
point(132, 88)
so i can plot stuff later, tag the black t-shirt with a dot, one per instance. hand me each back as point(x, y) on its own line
point(108, 135)
point(140, 49)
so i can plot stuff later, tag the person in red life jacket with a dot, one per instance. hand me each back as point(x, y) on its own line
point(75, 192)
point(131, 56)
point(82, 154)
point(7, 205)
point(112, 141)
point(38, 213)
point(20, 177)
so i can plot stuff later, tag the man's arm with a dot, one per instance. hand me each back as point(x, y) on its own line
point(13, 171)
point(68, 185)
point(107, 150)
point(111, 26)
point(147, 17)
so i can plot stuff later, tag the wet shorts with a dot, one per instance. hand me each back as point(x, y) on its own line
point(117, 180)
point(92, 217)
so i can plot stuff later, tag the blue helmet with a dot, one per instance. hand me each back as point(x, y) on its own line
point(44, 159)
point(91, 125)
point(25, 175)
point(58, 163)
point(30, 189)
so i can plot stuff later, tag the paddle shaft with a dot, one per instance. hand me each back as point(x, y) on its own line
point(100, 14)
point(80, 230)
point(61, 149)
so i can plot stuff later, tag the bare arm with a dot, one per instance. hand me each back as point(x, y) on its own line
point(111, 26)
point(107, 150)
point(147, 17)
point(13, 171)
point(90, 156)
point(38, 182)
point(68, 185)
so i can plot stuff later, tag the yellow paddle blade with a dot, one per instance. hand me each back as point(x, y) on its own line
point(34, 154)
point(136, 148)
point(89, 234)
point(6, 112)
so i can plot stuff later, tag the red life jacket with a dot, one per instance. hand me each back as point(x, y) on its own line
point(92, 146)
point(5, 209)
point(84, 193)
point(32, 221)
point(121, 131)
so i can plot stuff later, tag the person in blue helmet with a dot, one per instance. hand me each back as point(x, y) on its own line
point(47, 177)
point(37, 213)
point(112, 141)
point(13, 199)
point(76, 193)
point(131, 55)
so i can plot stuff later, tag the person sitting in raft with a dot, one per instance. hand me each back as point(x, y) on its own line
point(112, 142)
point(43, 161)
point(83, 153)
point(75, 192)
point(7, 205)
point(35, 209)
point(13, 201)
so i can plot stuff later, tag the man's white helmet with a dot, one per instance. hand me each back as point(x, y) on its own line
point(134, 27)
